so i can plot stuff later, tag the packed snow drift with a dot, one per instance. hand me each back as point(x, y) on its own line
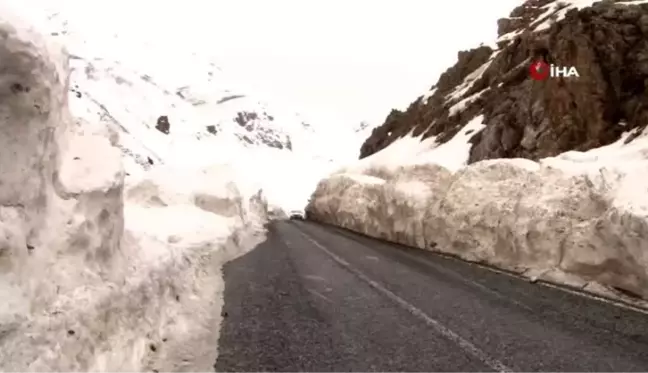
point(99, 275)
point(579, 218)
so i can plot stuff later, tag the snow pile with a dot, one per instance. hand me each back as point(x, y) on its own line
point(96, 275)
point(579, 218)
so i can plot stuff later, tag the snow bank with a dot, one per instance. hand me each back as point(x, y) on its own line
point(579, 219)
point(95, 275)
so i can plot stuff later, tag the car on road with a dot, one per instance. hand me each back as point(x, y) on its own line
point(296, 215)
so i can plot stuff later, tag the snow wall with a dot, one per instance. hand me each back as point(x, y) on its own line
point(96, 275)
point(581, 226)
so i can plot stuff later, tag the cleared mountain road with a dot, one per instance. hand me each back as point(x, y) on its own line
point(318, 298)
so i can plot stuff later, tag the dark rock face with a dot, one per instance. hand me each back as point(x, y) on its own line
point(163, 125)
point(607, 43)
point(522, 17)
point(244, 117)
point(257, 132)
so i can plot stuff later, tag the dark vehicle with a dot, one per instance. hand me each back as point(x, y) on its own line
point(296, 215)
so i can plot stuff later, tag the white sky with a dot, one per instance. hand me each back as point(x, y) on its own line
point(338, 61)
point(349, 59)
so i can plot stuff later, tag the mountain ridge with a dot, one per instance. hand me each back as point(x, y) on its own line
point(121, 86)
point(528, 119)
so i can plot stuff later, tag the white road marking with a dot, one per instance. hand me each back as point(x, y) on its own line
point(583, 293)
point(316, 278)
point(564, 288)
point(319, 295)
point(456, 275)
point(465, 345)
point(595, 297)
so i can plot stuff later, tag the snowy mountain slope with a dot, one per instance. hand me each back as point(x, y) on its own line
point(133, 102)
point(131, 83)
point(128, 83)
point(573, 212)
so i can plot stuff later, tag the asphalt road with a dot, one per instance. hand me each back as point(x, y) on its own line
point(317, 298)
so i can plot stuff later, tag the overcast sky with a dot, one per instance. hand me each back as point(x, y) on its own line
point(340, 61)
point(349, 59)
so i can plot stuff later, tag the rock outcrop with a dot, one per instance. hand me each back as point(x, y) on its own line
point(257, 131)
point(163, 124)
point(607, 43)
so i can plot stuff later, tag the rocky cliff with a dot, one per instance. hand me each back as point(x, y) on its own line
point(606, 42)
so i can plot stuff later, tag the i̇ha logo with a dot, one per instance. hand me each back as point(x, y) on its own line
point(541, 70)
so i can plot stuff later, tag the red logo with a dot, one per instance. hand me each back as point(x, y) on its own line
point(539, 70)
